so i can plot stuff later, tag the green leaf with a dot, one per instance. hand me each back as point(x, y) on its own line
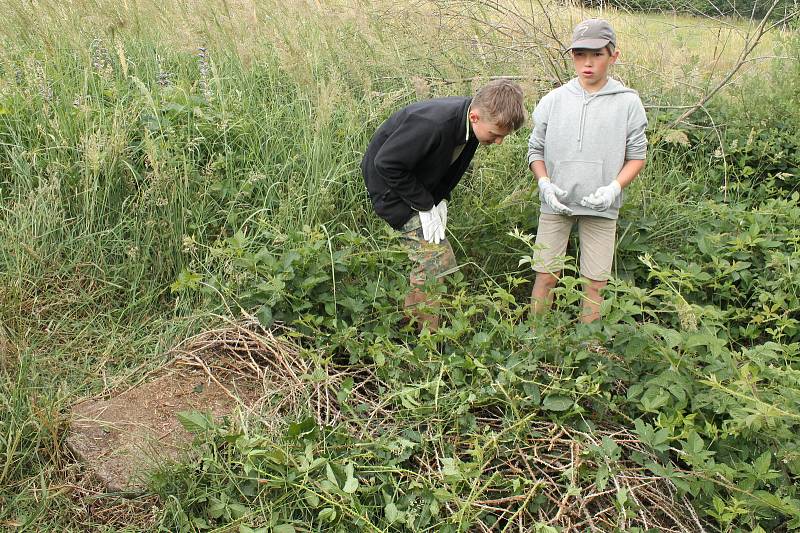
point(238, 510)
point(312, 499)
point(200, 523)
point(557, 402)
point(532, 390)
point(284, 528)
point(216, 508)
point(658, 440)
point(195, 422)
point(450, 470)
point(186, 280)
point(622, 497)
point(313, 465)
point(351, 485)
point(693, 444)
point(329, 473)
point(762, 464)
point(654, 398)
point(264, 316)
point(328, 514)
point(481, 339)
point(636, 346)
point(601, 478)
point(610, 448)
point(275, 455)
point(302, 429)
point(773, 501)
point(392, 514)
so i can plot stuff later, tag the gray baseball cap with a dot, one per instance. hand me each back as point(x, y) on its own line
point(593, 34)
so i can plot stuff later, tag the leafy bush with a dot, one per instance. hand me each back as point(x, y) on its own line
point(700, 358)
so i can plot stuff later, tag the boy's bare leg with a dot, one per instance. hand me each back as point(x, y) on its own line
point(592, 300)
point(542, 294)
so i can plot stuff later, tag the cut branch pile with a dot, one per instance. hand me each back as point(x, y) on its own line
point(570, 483)
point(543, 474)
point(293, 382)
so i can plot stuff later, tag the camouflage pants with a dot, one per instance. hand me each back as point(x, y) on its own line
point(431, 261)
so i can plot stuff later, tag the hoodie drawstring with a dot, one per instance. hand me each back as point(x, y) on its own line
point(582, 122)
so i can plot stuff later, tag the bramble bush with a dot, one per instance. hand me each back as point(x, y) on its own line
point(700, 358)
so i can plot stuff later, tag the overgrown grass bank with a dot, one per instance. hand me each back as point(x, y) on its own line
point(160, 164)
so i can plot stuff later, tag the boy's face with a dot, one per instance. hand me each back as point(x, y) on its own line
point(486, 131)
point(592, 66)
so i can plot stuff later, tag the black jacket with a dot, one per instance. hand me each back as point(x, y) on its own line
point(408, 164)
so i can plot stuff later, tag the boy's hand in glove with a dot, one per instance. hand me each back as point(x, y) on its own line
point(441, 207)
point(432, 226)
point(602, 198)
point(551, 194)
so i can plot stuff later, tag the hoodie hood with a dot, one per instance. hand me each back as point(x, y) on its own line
point(612, 86)
point(574, 87)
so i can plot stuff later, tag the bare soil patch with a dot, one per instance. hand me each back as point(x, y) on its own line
point(120, 437)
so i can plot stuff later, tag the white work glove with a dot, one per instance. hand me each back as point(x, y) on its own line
point(602, 198)
point(442, 209)
point(432, 227)
point(551, 194)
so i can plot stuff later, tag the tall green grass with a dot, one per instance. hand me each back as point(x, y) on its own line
point(127, 159)
point(119, 144)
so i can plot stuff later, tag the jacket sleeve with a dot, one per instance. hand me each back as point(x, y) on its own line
point(541, 114)
point(636, 143)
point(410, 142)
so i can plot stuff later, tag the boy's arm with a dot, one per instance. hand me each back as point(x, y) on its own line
point(635, 145)
point(548, 192)
point(629, 171)
point(536, 140)
point(636, 141)
point(538, 168)
point(400, 153)
point(635, 154)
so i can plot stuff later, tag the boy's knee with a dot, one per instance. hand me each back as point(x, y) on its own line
point(594, 285)
point(545, 279)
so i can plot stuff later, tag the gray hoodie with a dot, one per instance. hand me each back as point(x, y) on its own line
point(584, 139)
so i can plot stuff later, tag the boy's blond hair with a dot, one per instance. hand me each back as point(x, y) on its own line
point(502, 101)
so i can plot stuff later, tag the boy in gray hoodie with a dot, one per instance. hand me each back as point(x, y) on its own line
point(588, 143)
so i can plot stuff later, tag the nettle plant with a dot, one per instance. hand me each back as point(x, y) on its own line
point(311, 279)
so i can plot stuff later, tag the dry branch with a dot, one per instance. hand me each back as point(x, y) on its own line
point(293, 382)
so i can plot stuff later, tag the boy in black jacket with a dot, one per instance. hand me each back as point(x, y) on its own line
point(418, 156)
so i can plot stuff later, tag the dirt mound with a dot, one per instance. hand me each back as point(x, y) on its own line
point(118, 438)
point(238, 366)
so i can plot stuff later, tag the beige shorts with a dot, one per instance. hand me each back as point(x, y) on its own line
point(596, 236)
